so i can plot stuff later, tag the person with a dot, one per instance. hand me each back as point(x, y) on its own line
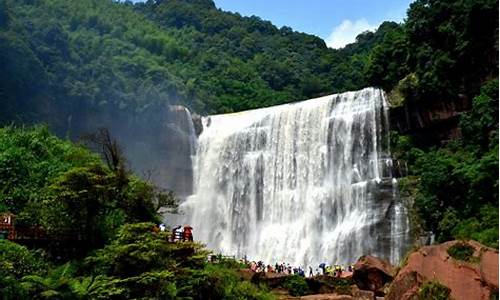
point(311, 274)
point(175, 231)
point(156, 229)
point(179, 233)
point(253, 266)
point(322, 267)
point(188, 233)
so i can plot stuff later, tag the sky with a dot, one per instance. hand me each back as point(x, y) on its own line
point(338, 22)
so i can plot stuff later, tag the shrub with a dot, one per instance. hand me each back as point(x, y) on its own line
point(461, 251)
point(343, 286)
point(433, 290)
point(296, 285)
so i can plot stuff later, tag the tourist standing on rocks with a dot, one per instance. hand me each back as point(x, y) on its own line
point(311, 274)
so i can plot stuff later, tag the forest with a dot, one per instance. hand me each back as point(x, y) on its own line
point(63, 59)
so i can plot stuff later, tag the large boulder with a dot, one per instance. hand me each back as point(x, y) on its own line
point(476, 278)
point(372, 273)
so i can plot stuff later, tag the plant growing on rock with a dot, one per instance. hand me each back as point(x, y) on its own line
point(433, 290)
point(461, 251)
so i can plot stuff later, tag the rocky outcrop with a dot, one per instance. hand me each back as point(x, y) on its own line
point(474, 279)
point(372, 273)
point(432, 122)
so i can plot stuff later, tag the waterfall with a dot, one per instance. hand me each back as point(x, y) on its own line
point(303, 183)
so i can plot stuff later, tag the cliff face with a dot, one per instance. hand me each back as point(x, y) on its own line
point(158, 143)
point(431, 123)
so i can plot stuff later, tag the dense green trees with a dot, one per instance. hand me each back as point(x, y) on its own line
point(64, 62)
point(138, 263)
point(447, 47)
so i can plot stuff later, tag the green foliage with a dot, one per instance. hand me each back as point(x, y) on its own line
point(447, 48)
point(480, 125)
point(433, 290)
point(65, 189)
point(343, 286)
point(140, 260)
point(483, 228)
point(461, 251)
point(296, 285)
point(138, 263)
point(67, 62)
point(16, 262)
point(221, 282)
point(55, 285)
point(457, 191)
point(29, 159)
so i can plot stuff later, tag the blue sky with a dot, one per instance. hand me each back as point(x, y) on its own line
point(336, 21)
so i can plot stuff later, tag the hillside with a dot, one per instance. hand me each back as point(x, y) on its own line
point(62, 58)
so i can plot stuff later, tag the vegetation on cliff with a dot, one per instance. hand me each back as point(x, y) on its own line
point(65, 58)
point(457, 190)
point(445, 52)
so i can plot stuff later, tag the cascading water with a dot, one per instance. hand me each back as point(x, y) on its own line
point(304, 183)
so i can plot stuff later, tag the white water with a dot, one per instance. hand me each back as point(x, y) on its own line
point(303, 183)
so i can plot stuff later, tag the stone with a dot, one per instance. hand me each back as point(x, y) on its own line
point(364, 295)
point(372, 273)
point(466, 280)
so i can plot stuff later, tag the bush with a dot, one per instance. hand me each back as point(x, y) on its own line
point(343, 286)
point(296, 285)
point(433, 290)
point(461, 251)
point(18, 261)
point(220, 282)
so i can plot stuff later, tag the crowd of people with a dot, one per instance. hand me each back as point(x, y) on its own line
point(185, 233)
point(287, 269)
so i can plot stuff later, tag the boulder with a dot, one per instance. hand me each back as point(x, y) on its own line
point(372, 273)
point(475, 279)
point(405, 287)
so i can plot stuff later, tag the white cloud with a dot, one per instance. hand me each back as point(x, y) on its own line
point(346, 32)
